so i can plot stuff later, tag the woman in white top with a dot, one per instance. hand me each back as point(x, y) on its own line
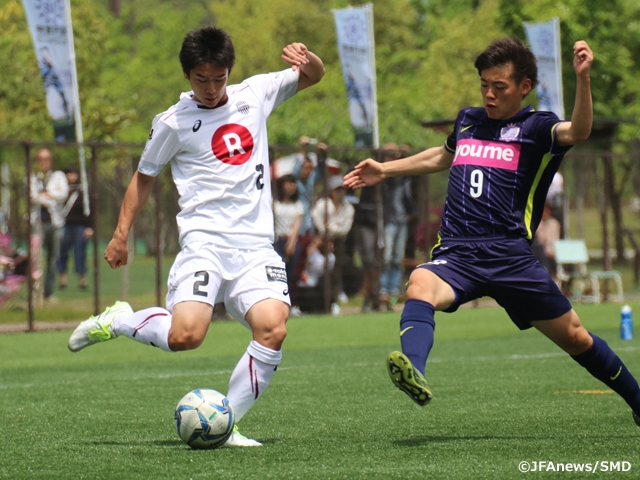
point(288, 211)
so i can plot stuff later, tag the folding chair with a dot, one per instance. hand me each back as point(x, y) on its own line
point(574, 252)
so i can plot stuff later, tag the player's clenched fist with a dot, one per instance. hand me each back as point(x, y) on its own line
point(583, 57)
point(116, 253)
point(295, 54)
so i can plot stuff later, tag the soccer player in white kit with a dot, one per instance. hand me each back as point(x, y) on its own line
point(215, 139)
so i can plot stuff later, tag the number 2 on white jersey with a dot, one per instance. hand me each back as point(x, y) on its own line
point(476, 180)
point(259, 182)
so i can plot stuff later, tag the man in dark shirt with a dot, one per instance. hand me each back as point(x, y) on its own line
point(77, 230)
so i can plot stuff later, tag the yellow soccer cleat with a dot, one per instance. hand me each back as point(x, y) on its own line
point(408, 379)
point(97, 329)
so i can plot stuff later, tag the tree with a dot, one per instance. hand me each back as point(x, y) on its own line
point(615, 82)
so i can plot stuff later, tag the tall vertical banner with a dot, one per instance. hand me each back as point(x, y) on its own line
point(544, 39)
point(48, 25)
point(356, 46)
point(52, 33)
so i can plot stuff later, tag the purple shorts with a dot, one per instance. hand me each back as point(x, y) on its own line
point(503, 269)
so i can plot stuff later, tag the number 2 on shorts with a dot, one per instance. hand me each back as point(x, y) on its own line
point(200, 283)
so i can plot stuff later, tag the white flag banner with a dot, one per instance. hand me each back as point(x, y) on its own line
point(49, 30)
point(356, 46)
point(544, 39)
point(52, 33)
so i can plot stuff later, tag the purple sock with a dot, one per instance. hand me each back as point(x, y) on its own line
point(601, 362)
point(416, 331)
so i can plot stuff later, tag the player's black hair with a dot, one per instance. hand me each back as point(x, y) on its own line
point(510, 50)
point(207, 45)
point(281, 182)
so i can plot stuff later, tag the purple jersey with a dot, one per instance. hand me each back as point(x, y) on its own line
point(500, 174)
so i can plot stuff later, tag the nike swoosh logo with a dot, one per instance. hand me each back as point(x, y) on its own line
point(617, 374)
point(465, 128)
point(403, 331)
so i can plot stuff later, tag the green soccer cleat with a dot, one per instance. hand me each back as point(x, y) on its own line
point(636, 418)
point(408, 379)
point(238, 440)
point(97, 329)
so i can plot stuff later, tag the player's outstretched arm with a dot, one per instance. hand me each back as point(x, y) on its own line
point(369, 172)
point(310, 67)
point(116, 253)
point(579, 128)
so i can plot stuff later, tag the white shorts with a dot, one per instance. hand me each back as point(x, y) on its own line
point(203, 272)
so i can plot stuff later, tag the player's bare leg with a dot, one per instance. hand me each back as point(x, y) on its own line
point(426, 293)
point(257, 366)
point(189, 325)
point(594, 354)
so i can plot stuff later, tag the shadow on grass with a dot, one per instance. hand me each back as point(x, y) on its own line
point(415, 442)
point(158, 443)
point(168, 443)
point(419, 441)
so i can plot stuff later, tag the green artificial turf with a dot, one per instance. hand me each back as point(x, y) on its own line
point(501, 397)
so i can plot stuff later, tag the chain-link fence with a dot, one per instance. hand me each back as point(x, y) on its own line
point(601, 189)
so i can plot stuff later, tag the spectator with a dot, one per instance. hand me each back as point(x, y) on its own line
point(335, 215)
point(286, 165)
point(309, 171)
point(49, 190)
point(398, 209)
point(13, 269)
point(311, 284)
point(77, 230)
point(543, 243)
point(365, 224)
point(288, 211)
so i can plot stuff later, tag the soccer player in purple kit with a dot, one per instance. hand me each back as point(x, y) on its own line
point(502, 159)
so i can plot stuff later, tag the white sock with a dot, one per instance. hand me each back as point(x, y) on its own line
point(149, 326)
point(251, 377)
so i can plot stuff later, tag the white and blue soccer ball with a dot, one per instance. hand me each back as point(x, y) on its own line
point(204, 418)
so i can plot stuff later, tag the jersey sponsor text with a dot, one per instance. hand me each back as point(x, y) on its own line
point(487, 154)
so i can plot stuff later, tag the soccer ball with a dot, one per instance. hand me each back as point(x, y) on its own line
point(204, 418)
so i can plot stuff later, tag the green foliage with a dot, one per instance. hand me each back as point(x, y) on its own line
point(21, 88)
point(129, 70)
point(615, 82)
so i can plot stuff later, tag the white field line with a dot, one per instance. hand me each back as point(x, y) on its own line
point(163, 376)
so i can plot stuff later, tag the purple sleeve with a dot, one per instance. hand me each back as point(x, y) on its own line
point(452, 139)
point(544, 129)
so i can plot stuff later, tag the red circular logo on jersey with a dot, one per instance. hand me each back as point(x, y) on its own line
point(232, 144)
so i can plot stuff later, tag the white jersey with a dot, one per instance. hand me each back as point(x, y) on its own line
point(220, 161)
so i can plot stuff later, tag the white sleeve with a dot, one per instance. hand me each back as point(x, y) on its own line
point(161, 147)
point(345, 220)
point(317, 214)
point(274, 88)
point(58, 187)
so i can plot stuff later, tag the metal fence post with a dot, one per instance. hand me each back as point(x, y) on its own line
point(27, 153)
point(94, 209)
